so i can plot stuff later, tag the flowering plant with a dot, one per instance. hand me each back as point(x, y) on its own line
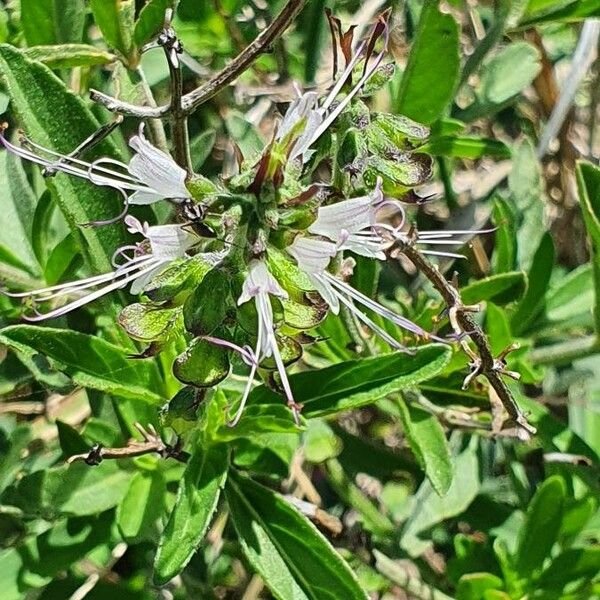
point(224, 308)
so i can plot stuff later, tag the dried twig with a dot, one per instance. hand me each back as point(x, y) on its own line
point(483, 362)
point(191, 101)
point(152, 444)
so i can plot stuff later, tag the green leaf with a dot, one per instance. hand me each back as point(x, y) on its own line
point(501, 82)
point(501, 289)
point(505, 251)
point(66, 56)
point(538, 277)
point(17, 204)
point(244, 134)
point(115, 20)
point(359, 382)
point(428, 442)
point(526, 186)
point(151, 20)
point(256, 420)
point(472, 586)
point(572, 295)
point(88, 360)
point(63, 258)
point(588, 184)
point(52, 21)
point(570, 565)
point(201, 147)
point(149, 322)
point(432, 70)
point(197, 498)
point(542, 525)
point(37, 17)
point(142, 506)
point(75, 489)
point(292, 557)
point(320, 442)
point(428, 508)
point(570, 11)
point(203, 364)
point(44, 106)
point(466, 147)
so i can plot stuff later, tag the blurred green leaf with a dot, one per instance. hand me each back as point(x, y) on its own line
point(69, 55)
point(559, 10)
point(320, 442)
point(428, 508)
point(500, 289)
point(197, 498)
point(501, 82)
point(64, 256)
point(292, 557)
point(150, 20)
point(542, 525)
point(88, 360)
point(428, 443)
point(47, 22)
point(570, 565)
point(142, 506)
point(572, 295)
point(533, 302)
point(423, 94)
point(115, 18)
point(473, 585)
point(505, 250)
point(17, 204)
point(74, 489)
point(466, 147)
point(45, 106)
point(588, 184)
point(358, 382)
point(201, 147)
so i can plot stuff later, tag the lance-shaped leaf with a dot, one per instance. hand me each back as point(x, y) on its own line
point(431, 74)
point(197, 498)
point(588, 183)
point(69, 55)
point(56, 118)
point(289, 553)
point(88, 360)
point(115, 19)
point(356, 383)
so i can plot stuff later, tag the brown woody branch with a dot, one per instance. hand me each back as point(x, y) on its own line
point(152, 444)
point(483, 362)
point(191, 101)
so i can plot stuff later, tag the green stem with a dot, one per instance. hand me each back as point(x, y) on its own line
point(446, 177)
point(416, 588)
point(565, 352)
point(372, 517)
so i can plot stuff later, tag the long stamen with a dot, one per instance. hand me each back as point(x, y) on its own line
point(250, 381)
point(372, 325)
point(262, 301)
point(94, 295)
point(379, 308)
point(245, 352)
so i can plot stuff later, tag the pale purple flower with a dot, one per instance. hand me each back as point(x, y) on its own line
point(140, 263)
point(258, 286)
point(151, 174)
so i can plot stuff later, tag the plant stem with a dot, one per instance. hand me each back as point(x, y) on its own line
point(485, 364)
point(565, 352)
point(191, 101)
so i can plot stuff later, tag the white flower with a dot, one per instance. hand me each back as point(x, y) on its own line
point(313, 120)
point(151, 175)
point(350, 224)
point(258, 285)
point(313, 257)
point(163, 244)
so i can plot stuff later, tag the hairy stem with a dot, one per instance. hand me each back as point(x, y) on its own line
point(191, 101)
point(484, 364)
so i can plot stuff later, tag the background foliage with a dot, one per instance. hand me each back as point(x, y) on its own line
point(399, 484)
